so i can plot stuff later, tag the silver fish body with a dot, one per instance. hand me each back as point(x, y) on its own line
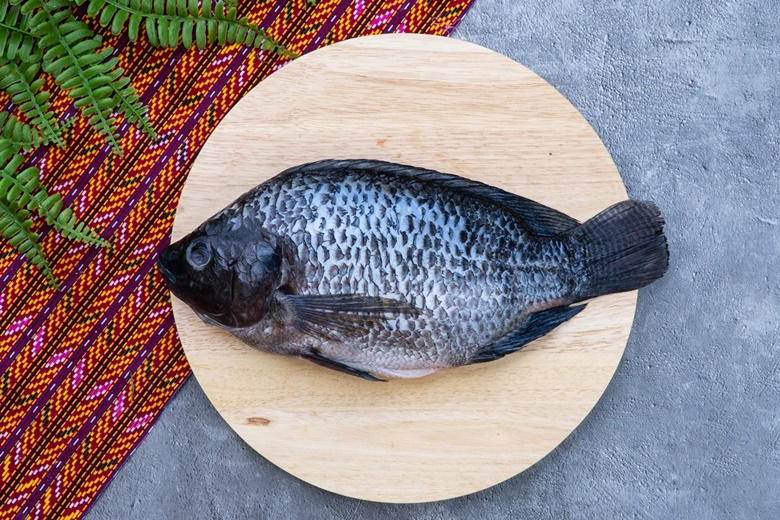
point(377, 268)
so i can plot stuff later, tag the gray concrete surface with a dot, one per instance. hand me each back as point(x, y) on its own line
point(685, 95)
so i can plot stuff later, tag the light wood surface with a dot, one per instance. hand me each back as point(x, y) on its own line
point(436, 103)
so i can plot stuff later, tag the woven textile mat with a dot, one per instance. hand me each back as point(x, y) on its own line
point(85, 371)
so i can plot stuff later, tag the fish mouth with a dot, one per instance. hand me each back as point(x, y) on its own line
point(165, 265)
point(167, 274)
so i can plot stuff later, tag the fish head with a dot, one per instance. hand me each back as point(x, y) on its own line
point(228, 275)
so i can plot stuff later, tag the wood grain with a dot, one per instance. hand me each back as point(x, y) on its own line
point(436, 103)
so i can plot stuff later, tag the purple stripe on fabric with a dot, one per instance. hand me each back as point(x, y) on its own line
point(399, 16)
point(327, 26)
point(449, 30)
point(92, 421)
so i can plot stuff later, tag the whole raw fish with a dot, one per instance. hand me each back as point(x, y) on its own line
point(384, 270)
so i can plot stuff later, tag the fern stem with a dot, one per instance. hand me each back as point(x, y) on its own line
point(46, 129)
point(16, 146)
point(152, 14)
point(15, 29)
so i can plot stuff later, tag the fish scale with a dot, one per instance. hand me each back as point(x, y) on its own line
point(370, 267)
point(474, 289)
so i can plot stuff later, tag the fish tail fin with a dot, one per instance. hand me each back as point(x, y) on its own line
point(626, 249)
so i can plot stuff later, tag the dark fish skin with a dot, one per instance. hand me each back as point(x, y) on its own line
point(380, 269)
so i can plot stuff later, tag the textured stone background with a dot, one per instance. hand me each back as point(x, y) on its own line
point(685, 95)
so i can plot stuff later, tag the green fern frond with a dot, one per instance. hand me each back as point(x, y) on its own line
point(26, 185)
point(21, 193)
point(169, 23)
point(129, 102)
point(16, 41)
point(70, 57)
point(17, 135)
point(24, 189)
point(15, 228)
point(19, 81)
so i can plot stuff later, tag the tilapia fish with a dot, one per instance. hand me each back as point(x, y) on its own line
point(382, 270)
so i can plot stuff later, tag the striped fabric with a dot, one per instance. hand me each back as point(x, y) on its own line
point(85, 371)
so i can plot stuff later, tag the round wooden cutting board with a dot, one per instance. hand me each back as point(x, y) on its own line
point(436, 103)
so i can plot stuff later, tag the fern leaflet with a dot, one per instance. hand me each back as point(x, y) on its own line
point(30, 194)
point(17, 135)
point(169, 23)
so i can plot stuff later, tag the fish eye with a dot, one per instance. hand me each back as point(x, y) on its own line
point(199, 254)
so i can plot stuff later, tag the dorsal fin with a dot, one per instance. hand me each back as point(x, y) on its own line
point(537, 218)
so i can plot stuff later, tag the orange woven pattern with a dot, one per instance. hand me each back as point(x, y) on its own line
point(85, 371)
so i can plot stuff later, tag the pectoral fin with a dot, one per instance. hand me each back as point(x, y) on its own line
point(319, 359)
point(347, 314)
point(537, 325)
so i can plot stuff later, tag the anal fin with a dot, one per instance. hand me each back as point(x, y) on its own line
point(537, 325)
point(318, 359)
